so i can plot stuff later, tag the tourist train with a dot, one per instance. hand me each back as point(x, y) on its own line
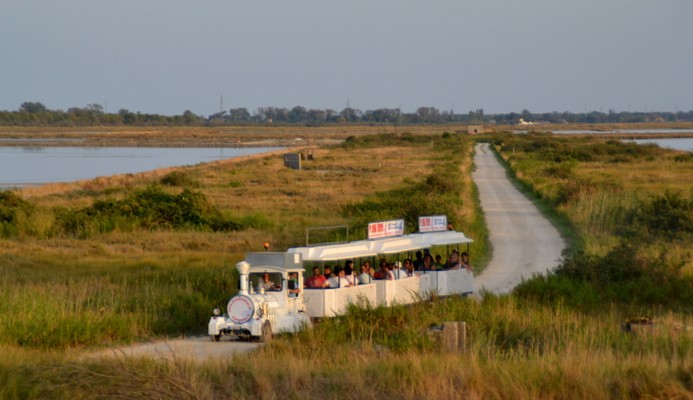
point(273, 296)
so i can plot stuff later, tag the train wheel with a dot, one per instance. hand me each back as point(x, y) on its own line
point(214, 338)
point(266, 332)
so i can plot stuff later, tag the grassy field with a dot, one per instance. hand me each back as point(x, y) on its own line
point(124, 258)
point(80, 270)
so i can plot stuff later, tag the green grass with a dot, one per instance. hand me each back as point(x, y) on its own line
point(52, 305)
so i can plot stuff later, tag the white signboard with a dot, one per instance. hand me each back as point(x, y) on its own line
point(383, 229)
point(433, 223)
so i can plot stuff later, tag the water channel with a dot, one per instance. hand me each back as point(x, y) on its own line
point(685, 144)
point(36, 165)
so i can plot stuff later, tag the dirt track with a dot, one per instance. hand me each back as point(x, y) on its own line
point(523, 241)
point(198, 348)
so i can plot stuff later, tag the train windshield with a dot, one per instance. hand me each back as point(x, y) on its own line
point(266, 281)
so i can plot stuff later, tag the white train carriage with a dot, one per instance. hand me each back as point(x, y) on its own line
point(272, 297)
point(331, 302)
point(454, 281)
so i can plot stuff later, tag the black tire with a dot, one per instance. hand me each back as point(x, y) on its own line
point(266, 332)
point(214, 338)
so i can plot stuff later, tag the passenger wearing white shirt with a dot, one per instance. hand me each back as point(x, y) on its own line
point(399, 271)
point(366, 273)
point(349, 273)
point(337, 281)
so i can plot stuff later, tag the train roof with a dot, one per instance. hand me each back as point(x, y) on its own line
point(444, 238)
point(370, 248)
point(333, 252)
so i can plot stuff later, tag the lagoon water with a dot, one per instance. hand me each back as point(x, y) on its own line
point(29, 166)
point(623, 131)
point(685, 144)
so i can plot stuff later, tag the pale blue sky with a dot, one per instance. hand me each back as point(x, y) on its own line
point(167, 56)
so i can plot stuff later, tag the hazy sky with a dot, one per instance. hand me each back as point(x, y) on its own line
point(168, 56)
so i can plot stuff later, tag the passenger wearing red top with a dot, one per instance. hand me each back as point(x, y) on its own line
point(315, 281)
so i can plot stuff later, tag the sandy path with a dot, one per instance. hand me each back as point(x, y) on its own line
point(523, 241)
point(198, 348)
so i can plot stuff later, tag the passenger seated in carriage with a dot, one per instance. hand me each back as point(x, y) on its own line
point(453, 261)
point(384, 272)
point(464, 262)
point(409, 267)
point(349, 273)
point(315, 281)
point(418, 262)
point(428, 263)
point(439, 262)
point(366, 273)
point(399, 271)
point(336, 281)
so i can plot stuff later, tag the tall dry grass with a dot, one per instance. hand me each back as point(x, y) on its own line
point(514, 350)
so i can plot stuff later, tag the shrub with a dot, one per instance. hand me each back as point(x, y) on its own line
point(668, 215)
point(12, 209)
point(622, 276)
point(180, 179)
point(150, 209)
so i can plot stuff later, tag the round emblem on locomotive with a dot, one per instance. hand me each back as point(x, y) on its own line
point(241, 309)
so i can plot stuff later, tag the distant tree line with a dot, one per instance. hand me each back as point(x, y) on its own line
point(37, 114)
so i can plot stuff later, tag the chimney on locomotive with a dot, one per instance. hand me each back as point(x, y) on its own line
point(243, 268)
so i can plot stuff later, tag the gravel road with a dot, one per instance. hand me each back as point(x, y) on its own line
point(523, 241)
point(198, 348)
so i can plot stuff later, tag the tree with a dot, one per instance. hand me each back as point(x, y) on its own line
point(428, 114)
point(350, 114)
point(317, 116)
point(298, 114)
point(127, 116)
point(189, 117)
point(239, 115)
point(95, 108)
point(32, 107)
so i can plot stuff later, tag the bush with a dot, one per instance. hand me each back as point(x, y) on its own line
point(621, 276)
point(151, 209)
point(668, 215)
point(12, 209)
point(180, 179)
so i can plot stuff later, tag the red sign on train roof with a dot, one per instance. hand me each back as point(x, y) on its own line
point(433, 223)
point(377, 230)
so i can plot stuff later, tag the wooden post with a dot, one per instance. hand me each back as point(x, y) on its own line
point(449, 339)
point(462, 336)
point(454, 337)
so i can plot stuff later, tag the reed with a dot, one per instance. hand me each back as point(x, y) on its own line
point(515, 349)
